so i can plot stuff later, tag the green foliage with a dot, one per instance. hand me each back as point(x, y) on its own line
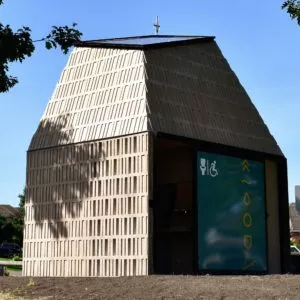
point(17, 46)
point(293, 9)
point(14, 269)
point(14, 46)
point(294, 243)
point(64, 36)
point(18, 222)
point(22, 203)
point(6, 228)
point(12, 228)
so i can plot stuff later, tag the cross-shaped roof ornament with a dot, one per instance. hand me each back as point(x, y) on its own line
point(156, 25)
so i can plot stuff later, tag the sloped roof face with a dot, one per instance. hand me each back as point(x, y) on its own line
point(8, 211)
point(182, 89)
point(192, 92)
point(101, 94)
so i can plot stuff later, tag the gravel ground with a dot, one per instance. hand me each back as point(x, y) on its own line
point(153, 287)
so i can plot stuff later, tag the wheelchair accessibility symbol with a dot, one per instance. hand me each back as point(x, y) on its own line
point(207, 168)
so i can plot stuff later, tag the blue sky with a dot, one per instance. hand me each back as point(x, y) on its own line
point(258, 39)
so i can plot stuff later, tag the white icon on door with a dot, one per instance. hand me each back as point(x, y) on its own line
point(203, 166)
point(208, 168)
point(212, 170)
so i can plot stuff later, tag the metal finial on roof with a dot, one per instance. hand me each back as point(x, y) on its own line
point(156, 25)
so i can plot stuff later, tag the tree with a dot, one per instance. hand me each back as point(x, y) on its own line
point(22, 204)
point(18, 221)
point(293, 9)
point(11, 228)
point(18, 45)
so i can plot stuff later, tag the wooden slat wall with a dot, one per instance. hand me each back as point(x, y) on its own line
point(101, 93)
point(87, 209)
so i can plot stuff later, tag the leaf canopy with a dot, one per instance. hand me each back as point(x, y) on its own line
point(15, 46)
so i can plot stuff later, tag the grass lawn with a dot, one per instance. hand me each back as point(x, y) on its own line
point(5, 258)
point(14, 268)
point(11, 268)
point(8, 259)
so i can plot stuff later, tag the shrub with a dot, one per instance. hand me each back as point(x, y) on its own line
point(17, 258)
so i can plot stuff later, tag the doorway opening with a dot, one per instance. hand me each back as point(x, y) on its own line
point(173, 226)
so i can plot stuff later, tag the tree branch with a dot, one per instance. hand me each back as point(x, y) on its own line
point(293, 9)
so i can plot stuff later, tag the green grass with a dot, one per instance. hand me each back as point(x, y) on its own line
point(5, 259)
point(9, 259)
point(11, 268)
point(14, 268)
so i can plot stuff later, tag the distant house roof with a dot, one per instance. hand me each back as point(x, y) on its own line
point(294, 218)
point(145, 41)
point(8, 211)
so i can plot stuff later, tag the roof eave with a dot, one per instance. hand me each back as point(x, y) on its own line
point(92, 44)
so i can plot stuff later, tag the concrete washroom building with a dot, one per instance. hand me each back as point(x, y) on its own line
point(151, 158)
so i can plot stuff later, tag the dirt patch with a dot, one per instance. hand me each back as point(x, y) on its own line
point(155, 287)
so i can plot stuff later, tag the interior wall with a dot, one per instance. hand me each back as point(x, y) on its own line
point(272, 217)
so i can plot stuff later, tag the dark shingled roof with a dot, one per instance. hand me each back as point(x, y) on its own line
point(193, 92)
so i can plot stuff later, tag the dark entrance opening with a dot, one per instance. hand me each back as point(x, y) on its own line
point(173, 205)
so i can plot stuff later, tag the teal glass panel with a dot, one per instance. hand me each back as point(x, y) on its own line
point(231, 214)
